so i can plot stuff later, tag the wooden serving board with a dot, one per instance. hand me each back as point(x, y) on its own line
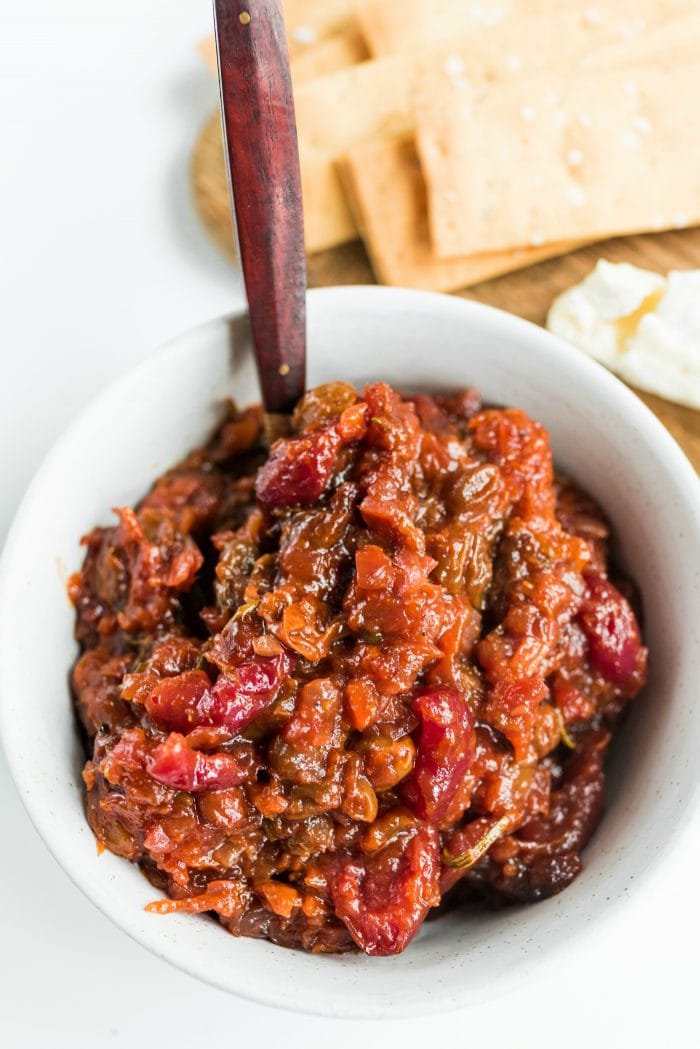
point(527, 293)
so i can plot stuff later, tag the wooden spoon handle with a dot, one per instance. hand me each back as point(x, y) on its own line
point(261, 144)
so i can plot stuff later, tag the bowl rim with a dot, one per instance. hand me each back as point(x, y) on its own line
point(509, 325)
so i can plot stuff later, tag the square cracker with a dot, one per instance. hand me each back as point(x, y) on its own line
point(335, 52)
point(386, 192)
point(562, 155)
point(328, 220)
point(390, 26)
point(376, 99)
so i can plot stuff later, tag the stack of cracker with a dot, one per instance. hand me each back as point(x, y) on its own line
point(463, 140)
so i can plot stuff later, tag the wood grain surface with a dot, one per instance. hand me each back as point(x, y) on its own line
point(527, 293)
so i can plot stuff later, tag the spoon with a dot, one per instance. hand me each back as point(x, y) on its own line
point(260, 141)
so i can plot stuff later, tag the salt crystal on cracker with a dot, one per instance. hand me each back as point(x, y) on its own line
point(642, 124)
point(305, 35)
point(487, 14)
point(629, 30)
point(576, 196)
point(453, 65)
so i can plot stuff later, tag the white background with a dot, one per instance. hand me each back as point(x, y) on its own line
point(101, 259)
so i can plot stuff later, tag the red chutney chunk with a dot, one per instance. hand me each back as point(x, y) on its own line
point(325, 687)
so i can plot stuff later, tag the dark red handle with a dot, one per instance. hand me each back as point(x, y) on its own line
point(261, 144)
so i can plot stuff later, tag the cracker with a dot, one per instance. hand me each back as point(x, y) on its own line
point(335, 52)
point(210, 184)
point(325, 220)
point(308, 22)
point(377, 99)
point(385, 188)
point(374, 98)
point(322, 40)
point(562, 155)
point(328, 220)
point(391, 26)
point(207, 49)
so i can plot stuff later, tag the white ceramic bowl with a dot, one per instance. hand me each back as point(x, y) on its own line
point(602, 434)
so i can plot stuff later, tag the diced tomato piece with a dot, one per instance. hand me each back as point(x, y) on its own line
point(192, 496)
point(512, 708)
point(362, 702)
point(383, 898)
point(190, 700)
point(374, 569)
point(446, 746)
point(250, 688)
point(175, 764)
point(611, 628)
point(352, 424)
point(282, 899)
point(298, 469)
point(177, 702)
point(394, 425)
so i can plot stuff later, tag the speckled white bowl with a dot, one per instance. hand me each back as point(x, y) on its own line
point(602, 434)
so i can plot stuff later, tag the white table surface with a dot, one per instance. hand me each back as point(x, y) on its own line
point(102, 258)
